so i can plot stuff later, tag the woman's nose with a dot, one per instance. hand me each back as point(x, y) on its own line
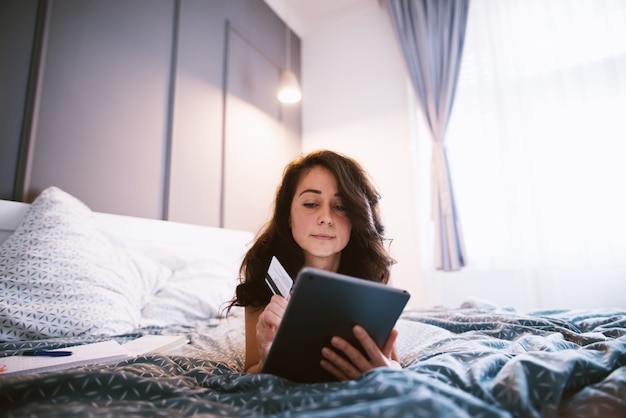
point(325, 217)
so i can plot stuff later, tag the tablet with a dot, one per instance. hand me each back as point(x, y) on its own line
point(324, 304)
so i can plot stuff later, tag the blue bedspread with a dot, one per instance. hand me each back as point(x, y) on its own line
point(474, 361)
point(550, 363)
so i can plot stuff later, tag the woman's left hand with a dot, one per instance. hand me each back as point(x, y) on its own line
point(355, 363)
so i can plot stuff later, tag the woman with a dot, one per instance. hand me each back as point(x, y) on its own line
point(326, 216)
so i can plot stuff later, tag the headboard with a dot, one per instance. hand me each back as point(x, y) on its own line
point(11, 213)
point(142, 232)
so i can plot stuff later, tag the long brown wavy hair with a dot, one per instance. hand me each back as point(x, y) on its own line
point(365, 255)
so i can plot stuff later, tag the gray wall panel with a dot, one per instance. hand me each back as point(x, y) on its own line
point(197, 132)
point(230, 146)
point(100, 131)
point(258, 145)
point(145, 109)
point(17, 28)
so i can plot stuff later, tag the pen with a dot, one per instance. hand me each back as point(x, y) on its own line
point(46, 353)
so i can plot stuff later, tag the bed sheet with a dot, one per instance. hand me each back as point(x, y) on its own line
point(472, 361)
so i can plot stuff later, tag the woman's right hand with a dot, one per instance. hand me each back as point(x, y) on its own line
point(268, 323)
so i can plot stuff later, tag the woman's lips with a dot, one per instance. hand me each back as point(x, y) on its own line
point(322, 236)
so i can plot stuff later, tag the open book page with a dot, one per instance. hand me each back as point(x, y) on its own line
point(105, 352)
point(154, 344)
point(96, 353)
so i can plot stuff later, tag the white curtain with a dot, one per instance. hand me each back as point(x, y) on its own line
point(537, 136)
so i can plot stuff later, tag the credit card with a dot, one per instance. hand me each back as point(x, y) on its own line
point(278, 279)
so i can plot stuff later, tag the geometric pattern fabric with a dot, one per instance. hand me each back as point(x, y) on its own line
point(61, 275)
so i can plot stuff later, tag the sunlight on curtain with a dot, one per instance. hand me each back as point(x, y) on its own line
point(537, 137)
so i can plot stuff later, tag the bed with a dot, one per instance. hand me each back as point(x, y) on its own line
point(70, 276)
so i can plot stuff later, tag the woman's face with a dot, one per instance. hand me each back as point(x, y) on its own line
point(318, 221)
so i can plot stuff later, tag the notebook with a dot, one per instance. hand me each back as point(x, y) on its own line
point(154, 344)
point(324, 304)
point(106, 352)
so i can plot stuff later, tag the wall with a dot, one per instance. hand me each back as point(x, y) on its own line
point(355, 101)
point(17, 32)
point(138, 108)
point(101, 120)
point(255, 134)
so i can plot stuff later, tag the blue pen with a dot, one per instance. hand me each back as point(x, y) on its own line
point(46, 353)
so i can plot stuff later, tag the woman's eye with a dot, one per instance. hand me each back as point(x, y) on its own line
point(309, 205)
point(340, 208)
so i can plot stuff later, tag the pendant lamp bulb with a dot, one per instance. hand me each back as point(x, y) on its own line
point(289, 88)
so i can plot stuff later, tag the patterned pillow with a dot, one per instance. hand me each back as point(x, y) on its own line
point(61, 275)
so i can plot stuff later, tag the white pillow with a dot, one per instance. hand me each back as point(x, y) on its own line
point(196, 291)
point(61, 275)
point(204, 279)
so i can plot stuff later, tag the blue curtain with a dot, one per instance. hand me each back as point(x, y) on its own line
point(431, 35)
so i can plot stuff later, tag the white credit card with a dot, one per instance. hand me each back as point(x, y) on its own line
point(278, 279)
